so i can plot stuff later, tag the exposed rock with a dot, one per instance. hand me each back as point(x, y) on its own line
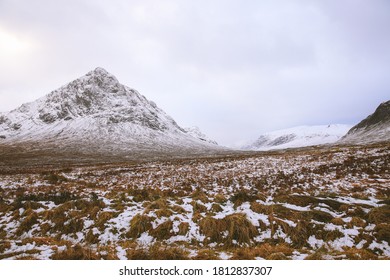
point(374, 128)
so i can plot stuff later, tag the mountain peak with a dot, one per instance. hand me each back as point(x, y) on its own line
point(101, 78)
point(100, 70)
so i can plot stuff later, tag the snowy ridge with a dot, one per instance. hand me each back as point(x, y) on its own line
point(374, 128)
point(97, 112)
point(300, 136)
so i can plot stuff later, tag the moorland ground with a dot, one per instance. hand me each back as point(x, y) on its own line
point(313, 203)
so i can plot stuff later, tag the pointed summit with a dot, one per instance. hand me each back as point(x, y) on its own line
point(101, 78)
point(97, 113)
point(101, 73)
point(100, 70)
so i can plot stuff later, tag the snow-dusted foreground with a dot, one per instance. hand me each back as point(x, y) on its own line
point(324, 204)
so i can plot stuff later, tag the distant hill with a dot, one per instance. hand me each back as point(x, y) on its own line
point(374, 128)
point(300, 136)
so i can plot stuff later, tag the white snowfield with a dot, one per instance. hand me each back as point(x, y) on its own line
point(97, 112)
point(300, 136)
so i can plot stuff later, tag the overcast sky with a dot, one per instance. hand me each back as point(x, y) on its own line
point(234, 68)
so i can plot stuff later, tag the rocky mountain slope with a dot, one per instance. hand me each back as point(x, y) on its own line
point(374, 128)
point(97, 114)
point(301, 136)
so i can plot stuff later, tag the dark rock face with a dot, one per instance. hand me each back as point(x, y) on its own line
point(374, 128)
point(3, 119)
point(47, 118)
point(16, 126)
point(380, 116)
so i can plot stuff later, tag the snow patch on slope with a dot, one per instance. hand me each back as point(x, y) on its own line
point(300, 136)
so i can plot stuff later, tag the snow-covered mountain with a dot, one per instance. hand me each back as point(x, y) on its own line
point(96, 113)
point(374, 128)
point(194, 131)
point(300, 136)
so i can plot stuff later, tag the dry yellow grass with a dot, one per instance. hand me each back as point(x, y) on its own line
point(75, 252)
point(86, 203)
point(232, 230)
point(138, 225)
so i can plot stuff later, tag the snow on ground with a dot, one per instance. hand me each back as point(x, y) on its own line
point(292, 204)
